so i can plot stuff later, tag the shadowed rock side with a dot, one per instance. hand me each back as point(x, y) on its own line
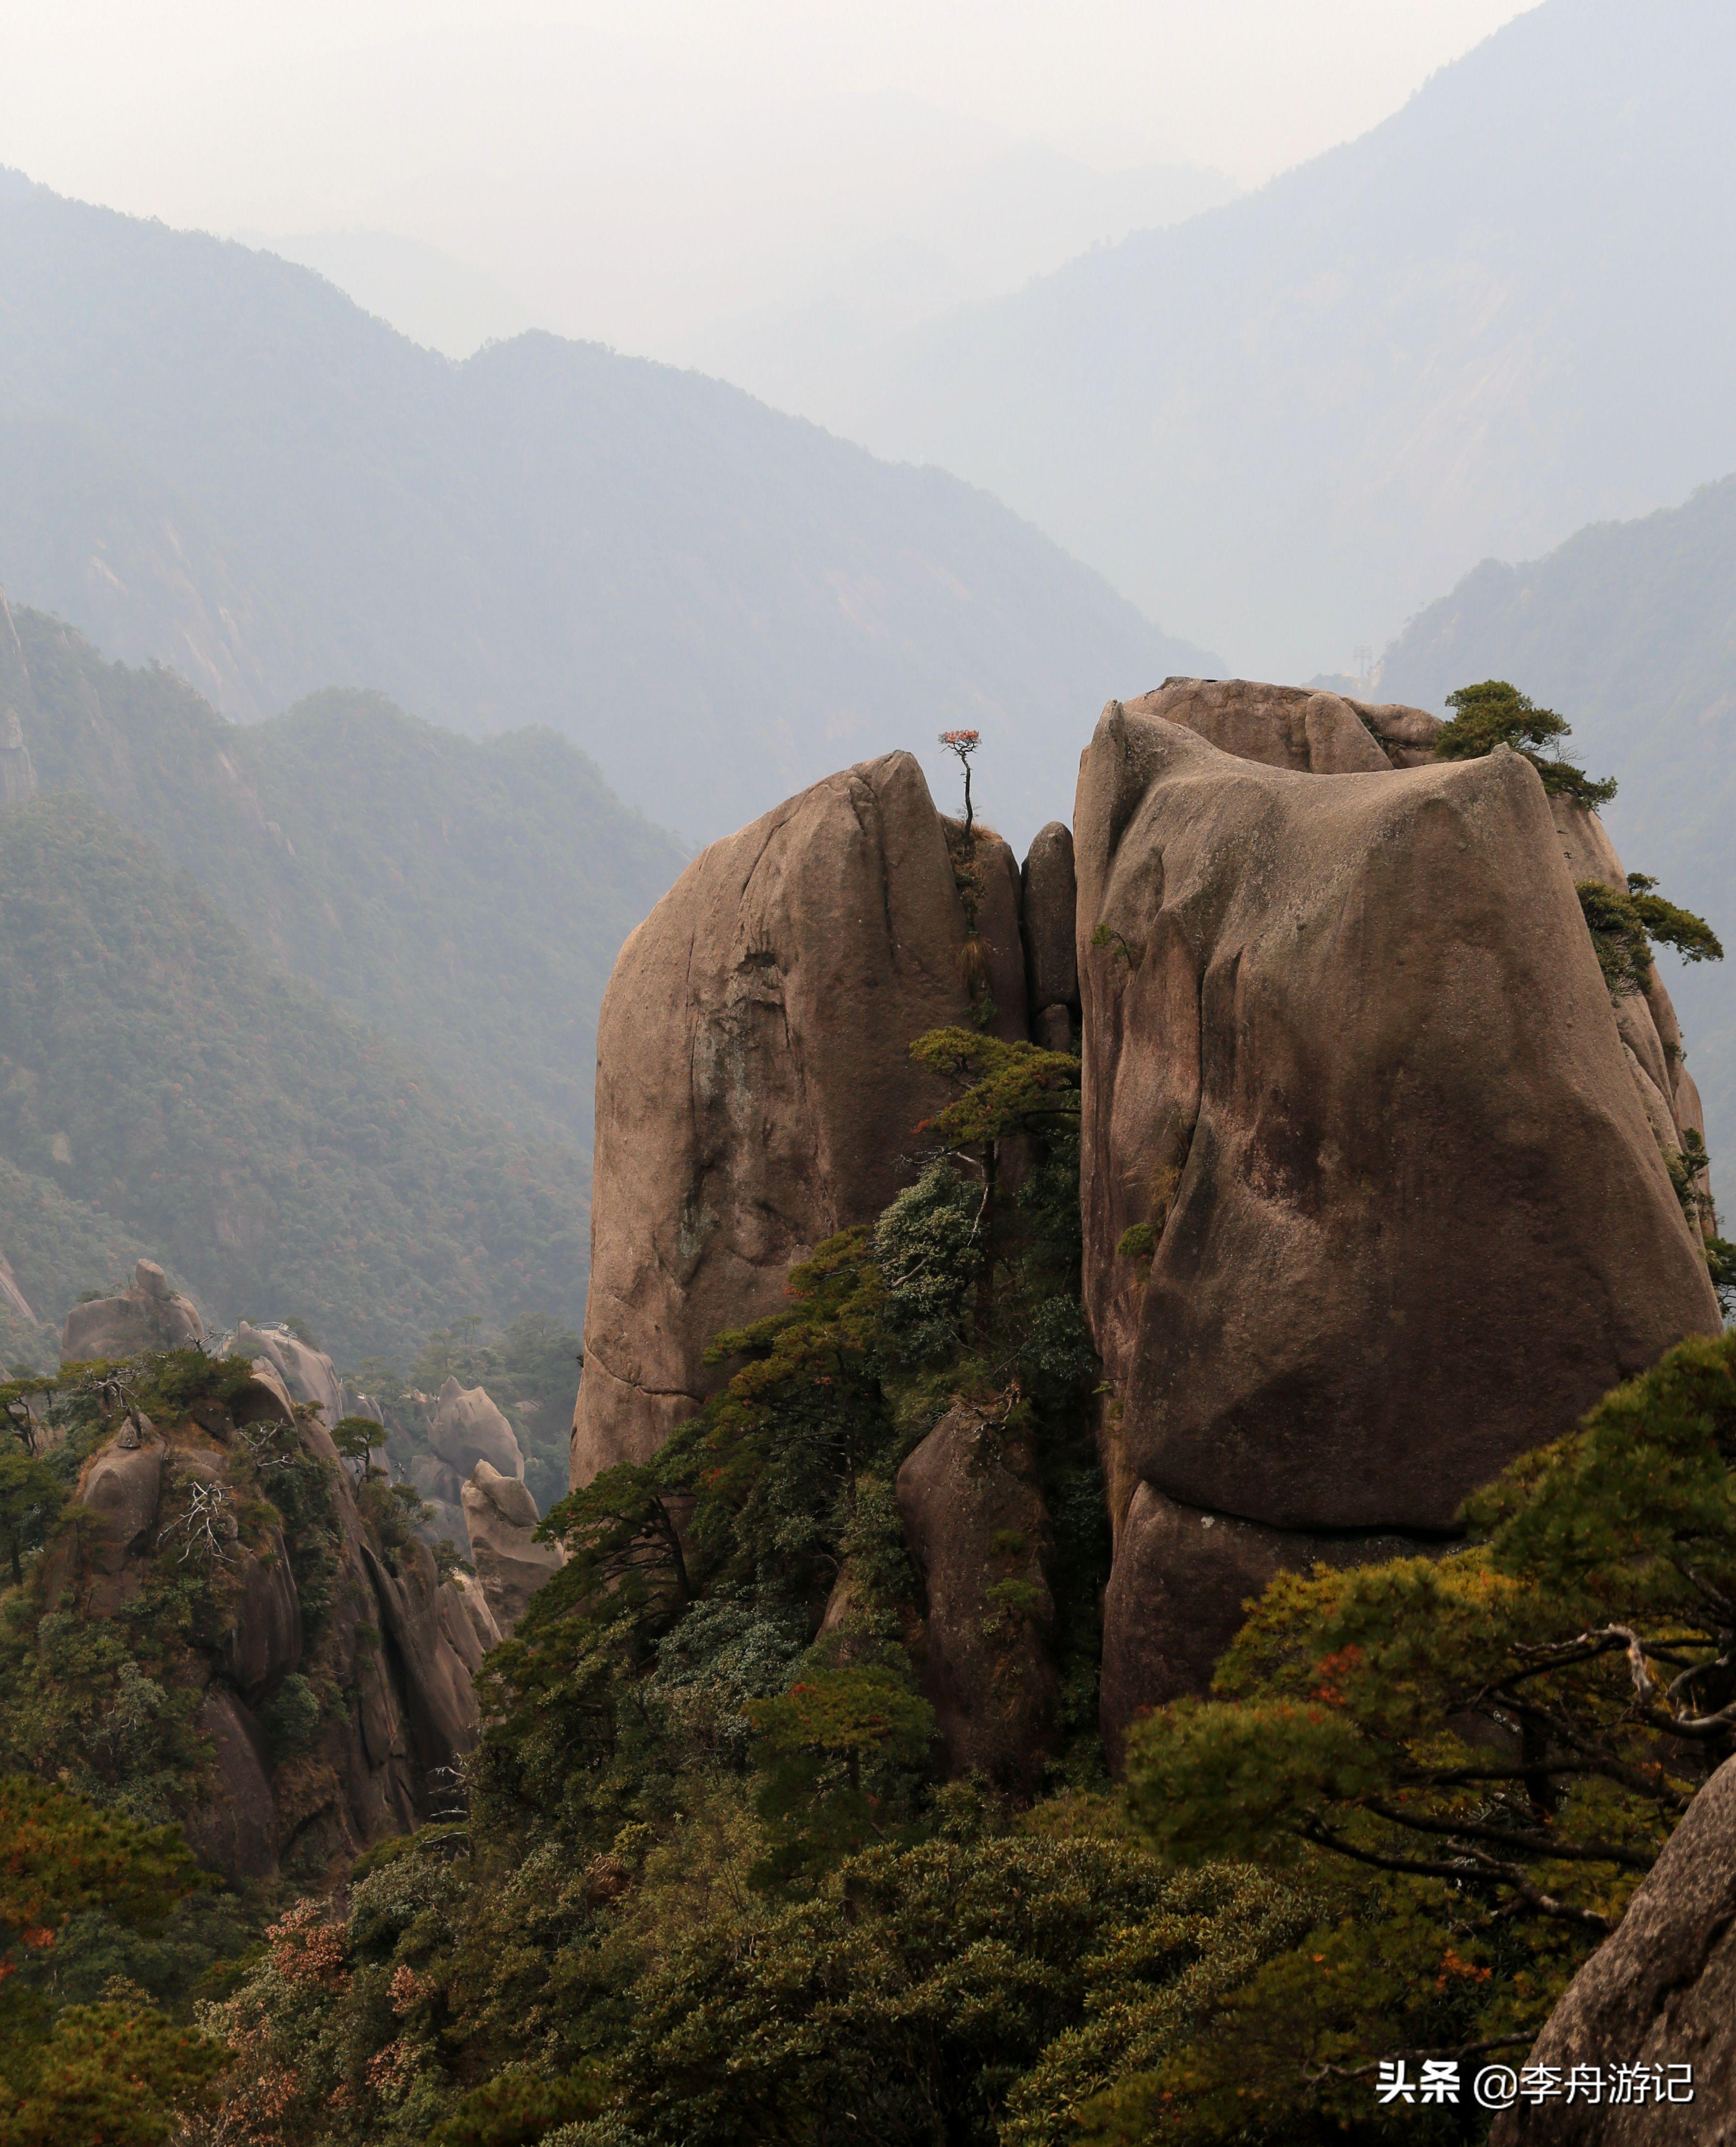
point(978, 1534)
point(1661, 1991)
point(755, 1092)
point(1353, 1075)
point(148, 1315)
point(1052, 970)
point(390, 1635)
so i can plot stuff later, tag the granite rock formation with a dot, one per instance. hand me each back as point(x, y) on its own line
point(307, 1374)
point(755, 1092)
point(147, 1315)
point(1354, 1080)
point(385, 1629)
point(1660, 1991)
point(511, 1565)
point(979, 1536)
point(1051, 968)
point(466, 1428)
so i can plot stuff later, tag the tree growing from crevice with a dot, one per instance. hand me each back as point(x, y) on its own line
point(962, 744)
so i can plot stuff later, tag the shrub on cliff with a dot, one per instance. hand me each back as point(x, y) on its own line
point(1495, 714)
point(119, 2071)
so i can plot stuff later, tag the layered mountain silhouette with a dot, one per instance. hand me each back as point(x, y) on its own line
point(1630, 630)
point(1505, 312)
point(212, 457)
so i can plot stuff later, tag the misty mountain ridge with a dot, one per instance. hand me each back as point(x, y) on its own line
point(1500, 315)
point(1630, 630)
point(213, 457)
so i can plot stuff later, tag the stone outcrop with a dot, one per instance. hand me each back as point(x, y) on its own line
point(1354, 1082)
point(511, 1565)
point(307, 1374)
point(1661, 1991)
point(978, 1534)
point(466, 1428)
point(147, 1315)
point(1295, 727)
point(755, 1092)
point(385, 1629)
point(1051, 968)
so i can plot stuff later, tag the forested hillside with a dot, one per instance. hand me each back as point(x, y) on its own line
point(1630, 630)
point(466, 897)
point(1503, 314)
point(210, 456)
point(162, 1083)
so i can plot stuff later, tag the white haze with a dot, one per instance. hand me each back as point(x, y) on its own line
point(747, 187)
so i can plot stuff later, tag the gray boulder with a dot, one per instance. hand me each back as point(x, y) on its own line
point(511, 1565)
point(147, 1315)
point(467, 1427)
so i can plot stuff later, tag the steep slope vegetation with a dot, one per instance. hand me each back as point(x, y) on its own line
point(1502, 314)
point(225, 463)
point(159, 1072)
point(466, 897)
point(1628, 629)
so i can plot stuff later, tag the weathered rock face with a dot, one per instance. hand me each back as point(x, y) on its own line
point(308, 1375)
point(148, 1315)
point(754, 1091)
point(1177, 1592)
point(1051, 968)
point(386, 1630)
point(1650, 1034)
point(467, 1427)
point(1662, 1991)
point(979, 1534)
point(511, 1565)
point(1295, 725)
point(1351, 1072)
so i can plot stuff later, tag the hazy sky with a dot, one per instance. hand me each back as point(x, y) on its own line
point(648, 167)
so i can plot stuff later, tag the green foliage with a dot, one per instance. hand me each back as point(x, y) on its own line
point(517, 2109)
point(356, 1437)
point(1473, 1760)
point(843, 1754)
point(1007, 1089)
point(30, 1499)
point(1495, 714)
point(1138, 1242)
point(942, 1991)
point(115, 2074)
point(1623, 926)
point(1691, 937)
point(60, 1855)
point(108, 2071)
point(349, 1184)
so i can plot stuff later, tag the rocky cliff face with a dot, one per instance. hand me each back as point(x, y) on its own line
point(1353, 1075)
point(1662, 1991)
point(754, 1088)
point(331, 1664)
point(1373, 1175)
